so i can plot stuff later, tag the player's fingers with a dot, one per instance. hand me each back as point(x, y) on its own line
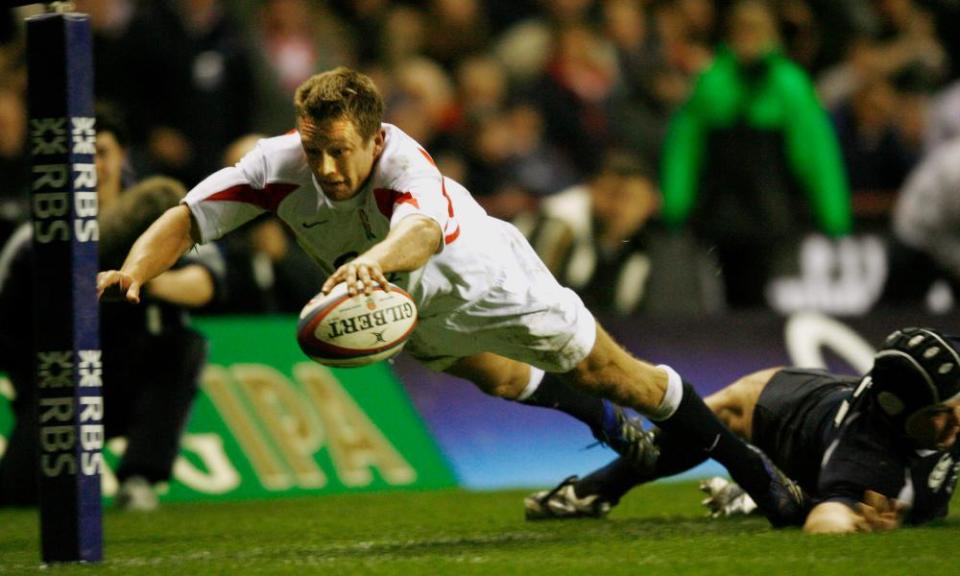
point(866, 520)
point(882, 504)
point(330, 282)
point(364, 282)
point(889, 520)
point(107, 279)
point(112, 286)
point(101, 284)
point(102, 281)
point(381, 279)
point(875, 500)
point(337, 277)
point(874, 520)
point(882, 523)
point(133, 292)
point(350, 273)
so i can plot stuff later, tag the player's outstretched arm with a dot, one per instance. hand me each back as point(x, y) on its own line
point(408, 246)
point(158, 249)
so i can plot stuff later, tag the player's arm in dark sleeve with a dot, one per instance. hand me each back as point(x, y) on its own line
point(814, 155)
point(837, 508)
point(857, 484)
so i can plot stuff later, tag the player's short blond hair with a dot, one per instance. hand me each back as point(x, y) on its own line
point(341, 93)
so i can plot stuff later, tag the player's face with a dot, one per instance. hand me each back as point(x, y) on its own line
point(935, 428)
point(338, 156)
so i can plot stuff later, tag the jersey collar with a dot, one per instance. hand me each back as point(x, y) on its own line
point(323, 201)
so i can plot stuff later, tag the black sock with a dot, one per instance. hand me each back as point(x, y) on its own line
point(589, 409)
point(611, 482)
point(675, 456)
point(620, 476)
point(695, 426)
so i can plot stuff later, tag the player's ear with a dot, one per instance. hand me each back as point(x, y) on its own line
point(379, 139)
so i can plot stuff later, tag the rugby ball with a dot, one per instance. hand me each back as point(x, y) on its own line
point(337, 329)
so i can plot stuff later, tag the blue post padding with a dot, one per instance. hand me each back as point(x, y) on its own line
point(66, 321)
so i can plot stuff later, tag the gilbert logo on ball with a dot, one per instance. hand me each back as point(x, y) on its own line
point(336, 329)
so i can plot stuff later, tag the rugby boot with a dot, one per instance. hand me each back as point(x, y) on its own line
point(626, 436)
point(563, 502)
point(726, 498)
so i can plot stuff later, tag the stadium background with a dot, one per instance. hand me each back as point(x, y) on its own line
point(494, 121)
point(270, 424)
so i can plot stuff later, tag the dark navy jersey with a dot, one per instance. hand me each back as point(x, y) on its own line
point(867, 454)
point(836, 456)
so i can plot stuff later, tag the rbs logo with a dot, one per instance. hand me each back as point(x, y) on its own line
point(51, 190)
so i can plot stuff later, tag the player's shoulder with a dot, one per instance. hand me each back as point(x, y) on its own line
point(863, 456)
point(283, 148)
point(867, 441)
point(276, 159)
point(402, 155)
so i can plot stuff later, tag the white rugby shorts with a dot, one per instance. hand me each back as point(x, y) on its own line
point(522, 313)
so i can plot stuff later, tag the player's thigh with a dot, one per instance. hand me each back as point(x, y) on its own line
point(734, 405)
point(520, 312)
point(494, 374)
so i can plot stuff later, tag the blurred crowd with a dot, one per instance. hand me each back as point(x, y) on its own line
point(664, 156)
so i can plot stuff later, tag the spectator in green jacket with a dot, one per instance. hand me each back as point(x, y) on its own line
point(751, 161)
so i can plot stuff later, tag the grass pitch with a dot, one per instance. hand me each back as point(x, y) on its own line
point(658, 529)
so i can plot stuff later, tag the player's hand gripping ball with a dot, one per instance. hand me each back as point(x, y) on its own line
point(336, 329)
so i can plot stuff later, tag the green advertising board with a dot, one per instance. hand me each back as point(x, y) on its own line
point(270, 422)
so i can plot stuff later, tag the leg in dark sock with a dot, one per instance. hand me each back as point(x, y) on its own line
point(599, 414)
point(610, 482)
point(695, 425)
point(554, 394)
point(620, 476)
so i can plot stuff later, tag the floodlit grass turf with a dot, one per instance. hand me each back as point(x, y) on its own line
point(658, 529)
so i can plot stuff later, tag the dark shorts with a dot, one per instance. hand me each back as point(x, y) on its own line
point(793, 419)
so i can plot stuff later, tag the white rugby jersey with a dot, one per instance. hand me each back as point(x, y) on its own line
point(275, 177)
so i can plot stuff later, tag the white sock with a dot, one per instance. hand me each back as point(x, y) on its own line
point(671, 398)
point(536, 377)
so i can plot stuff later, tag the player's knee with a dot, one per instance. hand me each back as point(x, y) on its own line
point(505, 390)
point(507, 385)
